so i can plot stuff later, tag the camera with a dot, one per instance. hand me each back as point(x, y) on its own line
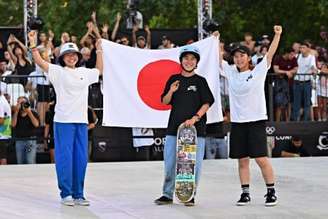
point(25, 105)
point(35, 23)
point(133, 16)
point(210, 25)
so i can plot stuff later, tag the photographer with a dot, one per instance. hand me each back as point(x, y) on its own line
point(24, 122)
point(134, 17)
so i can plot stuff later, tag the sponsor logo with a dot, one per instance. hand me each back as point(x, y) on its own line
point(102, 145)
point(323, 141)
point(270, 130)
point(192, 87)
point(283, 138)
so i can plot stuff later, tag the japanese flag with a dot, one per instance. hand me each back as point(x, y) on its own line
point(134, 80)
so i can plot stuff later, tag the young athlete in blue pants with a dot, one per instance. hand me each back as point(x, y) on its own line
point(71, 85)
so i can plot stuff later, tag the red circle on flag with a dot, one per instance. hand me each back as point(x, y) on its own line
point(152, 79)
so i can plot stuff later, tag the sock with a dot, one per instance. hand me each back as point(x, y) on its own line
point(245, 188)
point(270, 187)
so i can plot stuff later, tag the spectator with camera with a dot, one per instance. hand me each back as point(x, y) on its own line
point(25, 121)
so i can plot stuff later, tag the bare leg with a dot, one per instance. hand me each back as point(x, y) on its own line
point(244, 173)
point(266, 169)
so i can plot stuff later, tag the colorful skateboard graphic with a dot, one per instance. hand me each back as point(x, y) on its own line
point(185, 183)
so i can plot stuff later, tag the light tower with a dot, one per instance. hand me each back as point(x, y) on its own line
point(204, 13)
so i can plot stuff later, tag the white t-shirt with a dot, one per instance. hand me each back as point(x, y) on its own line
point(246, 92)
point(305, 65)
point(72, 88)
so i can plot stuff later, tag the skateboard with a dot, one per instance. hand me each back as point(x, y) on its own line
point(185, 180)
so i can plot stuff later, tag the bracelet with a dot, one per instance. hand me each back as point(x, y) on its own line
point(98, 51)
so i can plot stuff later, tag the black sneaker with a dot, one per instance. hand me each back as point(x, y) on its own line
point(190, 203)
point(271, 199)
point(163, 201)
point(245, 199)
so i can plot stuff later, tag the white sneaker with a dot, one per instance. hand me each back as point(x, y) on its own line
point(68, 201)
point(82, 202)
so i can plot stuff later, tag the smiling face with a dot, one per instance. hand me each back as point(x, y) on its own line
point(241, 60)
point(71, 59)
point(189, 62)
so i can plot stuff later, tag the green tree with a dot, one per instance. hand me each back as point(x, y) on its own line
point(301, 19)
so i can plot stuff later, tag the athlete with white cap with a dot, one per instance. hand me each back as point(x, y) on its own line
point(71, 84)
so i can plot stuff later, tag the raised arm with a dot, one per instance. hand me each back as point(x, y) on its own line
point(35, 52)
point(10, 47)
point(148, 37)
point(134, 35)
point(275, 42)
point(20, 44)
point(104, 31)
point(116, 26)
point(99, 61)
point(220, 54)
point(86, 35)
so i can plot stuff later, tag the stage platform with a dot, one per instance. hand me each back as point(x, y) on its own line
point(127, 191)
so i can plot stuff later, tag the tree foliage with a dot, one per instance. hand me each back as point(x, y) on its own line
point(301, 19)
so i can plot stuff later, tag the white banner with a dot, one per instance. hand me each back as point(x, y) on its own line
point(135, 78)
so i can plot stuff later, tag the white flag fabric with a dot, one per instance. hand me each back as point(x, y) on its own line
point(135, 78)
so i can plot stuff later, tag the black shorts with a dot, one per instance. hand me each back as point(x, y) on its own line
point(4, 143)
point(43, 93)
point(248, 140)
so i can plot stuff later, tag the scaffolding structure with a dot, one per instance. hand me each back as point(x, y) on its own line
point(204, 13)
point(30, 11)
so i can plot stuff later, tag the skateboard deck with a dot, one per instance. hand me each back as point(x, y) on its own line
point(185, 180)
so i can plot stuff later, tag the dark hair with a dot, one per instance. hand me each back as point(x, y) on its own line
point(248, 34)
point(306, 43)
point(24, 56)
point(296, 138)
point(61, 62)
point(264, 46)
point(287, 50)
